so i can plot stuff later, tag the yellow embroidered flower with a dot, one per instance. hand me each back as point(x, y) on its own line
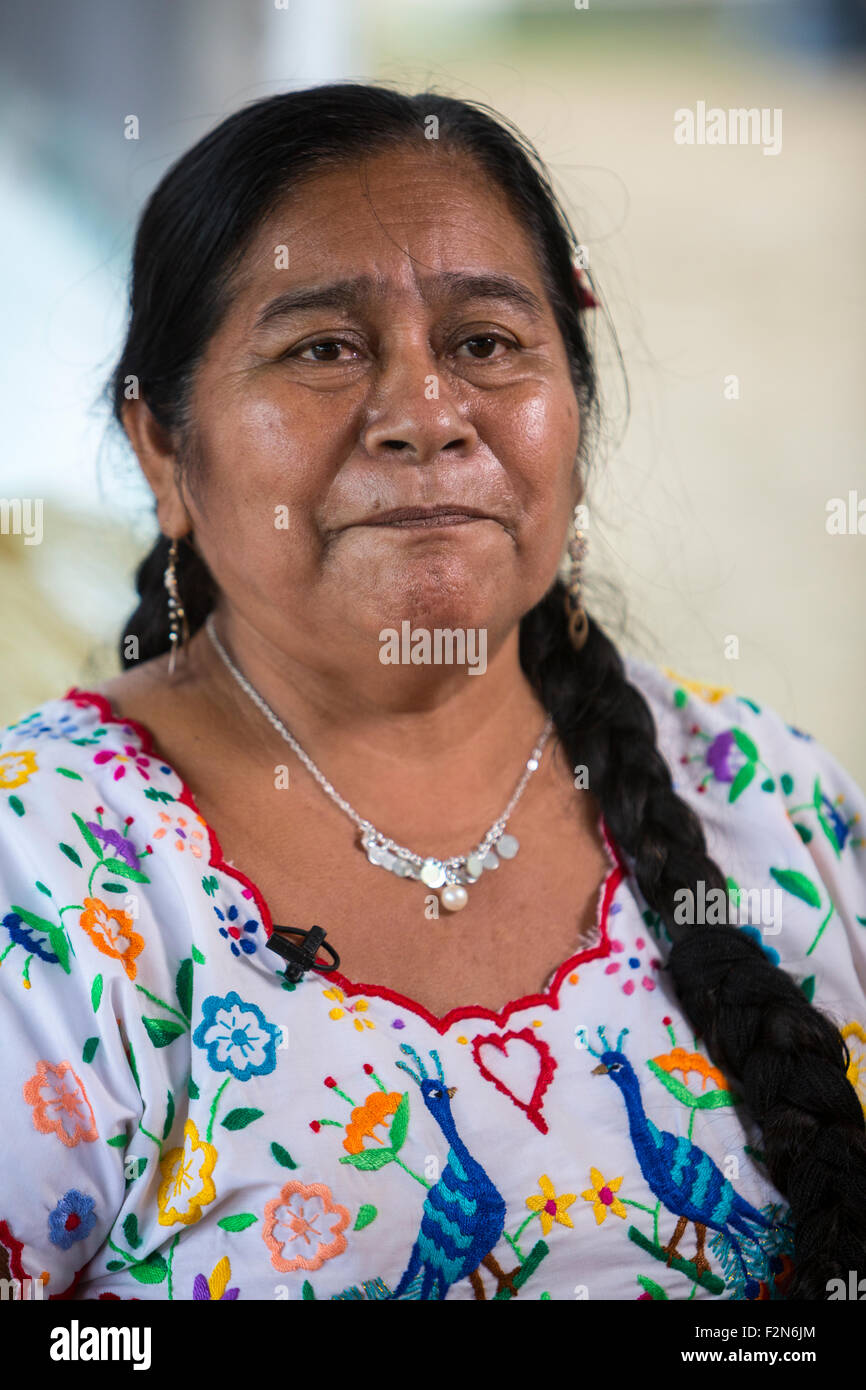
point(186, 1185)
point(603, 1196)
point(12, 776)
point(550, 1207)
point(711, 694)
point(359, 1006)
point(857, 1066)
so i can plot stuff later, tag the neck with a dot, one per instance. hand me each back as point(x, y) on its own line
point(423, 745)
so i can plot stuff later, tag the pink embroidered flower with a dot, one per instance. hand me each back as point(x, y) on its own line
point(185, 835)
point(300, 1220)
point(60, 1104)
point(129, 755)
point(630, 963)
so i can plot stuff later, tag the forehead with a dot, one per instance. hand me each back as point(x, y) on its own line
point(395, 215)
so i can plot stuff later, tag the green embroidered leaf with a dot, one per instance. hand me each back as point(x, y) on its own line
point(89, 838)
point(830, 833)
point(803, 831)
point(816, 794)
point(33, 920)
point(282, 1156)
point(90, 1049)
point(655, 1291)
point(71, 854)
point(60, 947)
point(808, 987)
point(132, 1065)
point(130, 1230)
point(787, 782)
point(113, 888)
point(745, 744)
point(162, 1031)
point(66, 772)
point(151, 1271)
point(197, 956)
point(400, 1123)
point(862, 921)
point(96, 992)
point(369, 1159)
point(366, 1214)
point(798, 884)
point(745, 701)
point(239, 1222)
point(741, 781)
point(307, 1290)
point(193, 1089)
point(153, 795)
point(239, 1119)
point(118, 1142)
point(115, 1265)
point(210, 884)
point(169, 1116)
point(680, 698)
point(43, 889)
point(17, 805)
point(117, 866)
point(183, 986)
point(768, 785)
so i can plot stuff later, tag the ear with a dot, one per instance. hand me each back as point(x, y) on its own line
point(156, 452)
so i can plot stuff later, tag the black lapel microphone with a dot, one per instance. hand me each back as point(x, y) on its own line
point(301, 956)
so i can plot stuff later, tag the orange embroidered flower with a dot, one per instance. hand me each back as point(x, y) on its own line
point(550, 1207)
point(60, 1104)
point(366, 1117)
point(359, 1006)
point(110, 930)
point(856, 1072)
point(603, 1196)
point(302, 1218)
point(15, 776)
point(185, 836)
point(687, 1062)
point(186, 1185)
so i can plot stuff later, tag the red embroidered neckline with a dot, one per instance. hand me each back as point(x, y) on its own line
point(351, 988)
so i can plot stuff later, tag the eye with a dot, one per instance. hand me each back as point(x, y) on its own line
point(487, 342)
point(436, 1093)
point(325, 350)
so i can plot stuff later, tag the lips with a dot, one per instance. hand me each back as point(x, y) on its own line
point(444, 515)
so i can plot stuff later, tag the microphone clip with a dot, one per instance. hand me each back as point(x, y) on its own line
point(301, 956)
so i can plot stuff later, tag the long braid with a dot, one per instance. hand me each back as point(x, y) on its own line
point(789, 1061)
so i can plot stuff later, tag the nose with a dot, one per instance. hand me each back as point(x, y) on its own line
point(414, 412)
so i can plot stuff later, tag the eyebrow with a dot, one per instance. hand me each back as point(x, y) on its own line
point(350, 294)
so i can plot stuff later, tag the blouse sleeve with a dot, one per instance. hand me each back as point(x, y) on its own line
point(68, 1091)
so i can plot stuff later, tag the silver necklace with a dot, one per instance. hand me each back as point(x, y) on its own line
point(451, 876)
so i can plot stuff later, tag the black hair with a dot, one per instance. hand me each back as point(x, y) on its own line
point(786, 1059)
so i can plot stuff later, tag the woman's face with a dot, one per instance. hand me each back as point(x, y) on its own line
point(389, 345)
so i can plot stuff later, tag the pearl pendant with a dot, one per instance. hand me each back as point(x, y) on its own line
point(453, 897)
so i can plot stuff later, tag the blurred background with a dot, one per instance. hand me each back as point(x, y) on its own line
point(734, 280)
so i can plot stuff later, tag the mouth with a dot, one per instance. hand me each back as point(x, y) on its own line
point(427, 517)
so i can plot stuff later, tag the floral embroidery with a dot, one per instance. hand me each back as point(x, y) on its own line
point(17, 768)
point(306, 1214)
point(631, 962)
point(72, 1219)
point(112, 839)
point(358, 1006)
point(603, 1196)
point(366, 1118)
point(233, 931)
point(110, 930)
point(551, 1208)
point(24, 936)
point(130, 756)
point(187, 1185)
point(237, 1037)
point(185, 838)
point(60, 1104)
point(216, 1288)
point(711, 694)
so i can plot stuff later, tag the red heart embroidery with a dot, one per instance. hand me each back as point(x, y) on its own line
point(546, 1067)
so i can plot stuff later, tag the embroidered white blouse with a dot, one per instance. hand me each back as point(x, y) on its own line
point(189, 1126)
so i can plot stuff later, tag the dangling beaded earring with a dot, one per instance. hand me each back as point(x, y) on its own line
point(177, 620)
point(578, 622)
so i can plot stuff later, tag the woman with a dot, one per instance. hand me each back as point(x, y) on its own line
point(549, 1065)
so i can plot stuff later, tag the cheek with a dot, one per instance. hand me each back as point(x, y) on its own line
point(264, 446)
